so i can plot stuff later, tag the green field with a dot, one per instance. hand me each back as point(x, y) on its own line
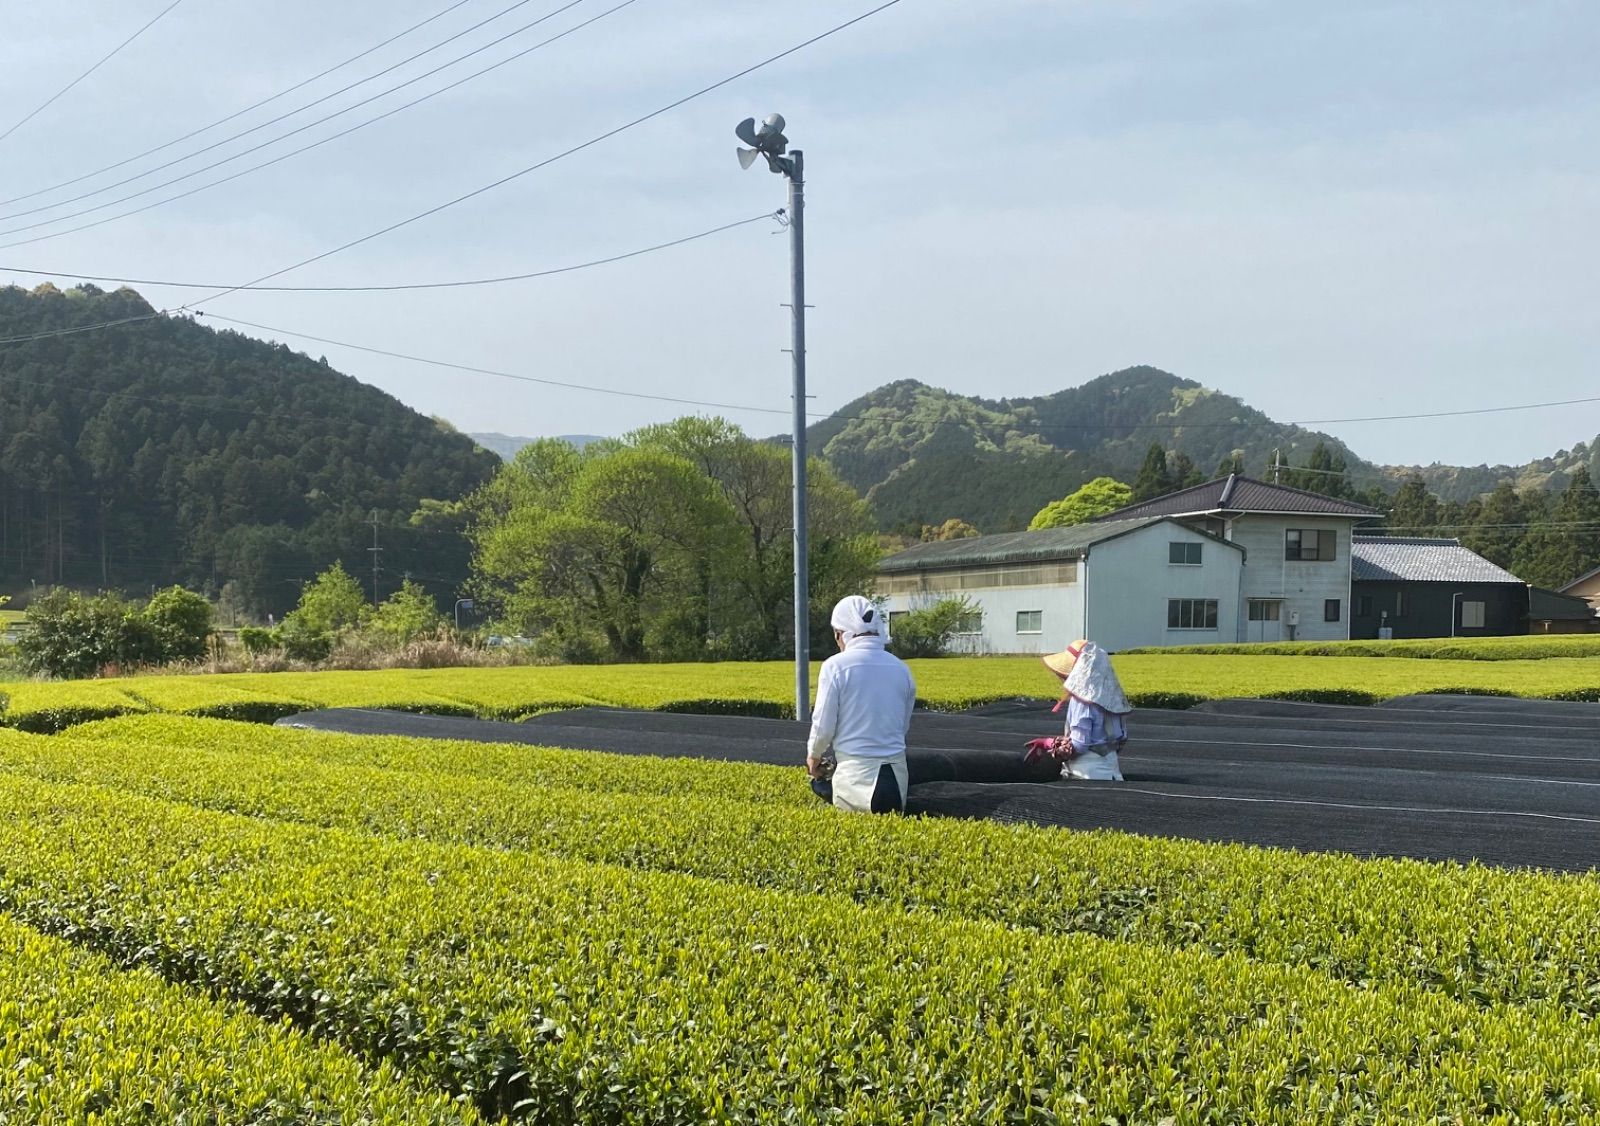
point(390, 930)
point(1174, 679)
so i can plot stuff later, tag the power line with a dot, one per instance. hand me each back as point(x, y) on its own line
point(492, 372)
point(52, 98)
point(561, 155)
point(285, 136)
point(262, 125)
point(84, 328)
point(237, 113)
point(396, 287)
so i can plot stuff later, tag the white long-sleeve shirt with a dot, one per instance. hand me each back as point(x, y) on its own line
point(864, 700)
point(1090, 726)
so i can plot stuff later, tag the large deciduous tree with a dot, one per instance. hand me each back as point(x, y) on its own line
point(1098, 497)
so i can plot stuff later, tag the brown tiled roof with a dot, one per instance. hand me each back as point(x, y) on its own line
point(1013, 547)
point(1239, 494)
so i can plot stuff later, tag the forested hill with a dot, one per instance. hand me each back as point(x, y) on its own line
point(164, 451)
point(923, 455)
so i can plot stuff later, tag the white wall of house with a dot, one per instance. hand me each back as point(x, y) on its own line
point(1303, 587)
point(1131, 581)
point(1059, 607)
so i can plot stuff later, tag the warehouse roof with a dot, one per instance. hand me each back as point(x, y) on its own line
point(1017, 547)
point(1416, 560)
point(1236, 493)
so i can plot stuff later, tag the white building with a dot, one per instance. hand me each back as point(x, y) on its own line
point(1150, 581)
point(1231, 560)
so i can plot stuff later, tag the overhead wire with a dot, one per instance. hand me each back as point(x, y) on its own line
point(269, 122)
point(291, 133)
point(608, 134)
point(237, 113)
point(51, 100)
point(397, 286)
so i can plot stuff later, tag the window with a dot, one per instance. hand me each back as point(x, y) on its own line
point(1330, 610)
point(1310, 545)
point(971, 622)
point(1265, 609)
point(1030, 621)
point(897, 616)
point(1399, 603)
point(1472, 615)
point(1184, 554)
point(1191, 613)
point(1363, 605)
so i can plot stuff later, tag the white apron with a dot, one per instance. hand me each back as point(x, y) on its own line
point(855, 779)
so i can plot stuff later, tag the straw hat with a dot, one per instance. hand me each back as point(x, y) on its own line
point(1061, 663)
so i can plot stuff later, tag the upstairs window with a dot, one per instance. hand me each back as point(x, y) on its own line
point(1308, 545)
point(1184, 554)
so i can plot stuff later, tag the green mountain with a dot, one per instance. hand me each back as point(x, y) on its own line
point(1463, 483)
point(162, 451)
point(923, 455)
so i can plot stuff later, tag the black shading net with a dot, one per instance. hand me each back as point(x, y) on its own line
point(1504, 786)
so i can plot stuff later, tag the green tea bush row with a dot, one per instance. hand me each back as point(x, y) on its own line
point(949, 684)
point(1517, 648)
point(82, 1042)
point(578, 993)
point(1477, 934)
point(525, 766)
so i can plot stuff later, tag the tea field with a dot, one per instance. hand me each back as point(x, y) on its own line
point(1164, 679)
point(206, 920)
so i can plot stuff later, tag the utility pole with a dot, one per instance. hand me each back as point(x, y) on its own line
point(768, 141)
point(1277, 467)
point(376, 551)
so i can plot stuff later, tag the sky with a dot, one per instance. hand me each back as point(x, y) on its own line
point(1329, 211)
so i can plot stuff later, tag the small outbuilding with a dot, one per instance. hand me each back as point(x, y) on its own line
point(1586, 587)
point(1550, 611)
point(1403, 586)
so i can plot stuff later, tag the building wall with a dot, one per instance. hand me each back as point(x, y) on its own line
point(1428, 609)
point(1303, 587)
point(1131, 579)
point(1060, 606)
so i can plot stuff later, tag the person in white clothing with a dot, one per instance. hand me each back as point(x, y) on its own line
point(856, 755)
point(1096, 709)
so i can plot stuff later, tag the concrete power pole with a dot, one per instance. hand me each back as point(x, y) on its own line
point(376, 551)
point(767, 140)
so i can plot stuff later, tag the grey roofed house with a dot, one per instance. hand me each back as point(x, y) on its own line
point(1421, 560)
point(1011, 547)
point(1237, 494)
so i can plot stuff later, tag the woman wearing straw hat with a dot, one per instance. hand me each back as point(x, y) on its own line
point(856, 754)
point(1096, 705)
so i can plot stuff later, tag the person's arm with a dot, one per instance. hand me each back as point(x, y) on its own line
point(911, 698)
point(1080, 724)
point(824, 719)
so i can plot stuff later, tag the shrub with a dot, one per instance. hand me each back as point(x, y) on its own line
point(180, 622)
point(928, 632)
point(257, 641)
point(73, 635)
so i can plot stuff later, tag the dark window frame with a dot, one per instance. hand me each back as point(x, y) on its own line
point(1332, 608)
point(1180, 609)
point(1179, 552)
point(1294, 545)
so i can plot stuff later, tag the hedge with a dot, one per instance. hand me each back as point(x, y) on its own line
point(578, 993)
point(83, 1042)
point(1518, 648)
point(1482, 935)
